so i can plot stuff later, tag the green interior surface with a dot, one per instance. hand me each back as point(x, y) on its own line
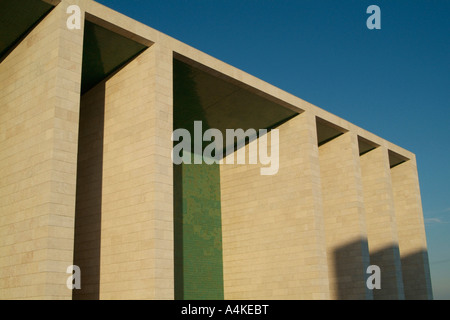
point(219, 103)
point(197, 216)
point(198, 233)
point(17, 20)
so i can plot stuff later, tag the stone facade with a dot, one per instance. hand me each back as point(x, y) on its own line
point(86, 179)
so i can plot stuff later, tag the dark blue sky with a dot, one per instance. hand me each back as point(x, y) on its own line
point(394, 82)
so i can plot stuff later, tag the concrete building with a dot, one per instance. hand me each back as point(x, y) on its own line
point(87, 179)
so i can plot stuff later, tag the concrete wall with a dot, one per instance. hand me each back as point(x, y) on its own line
point(39, 105)
point(123, 235)
point(344, 216)
point(273, 234)
point(381, 222)
point(136, 226)
point(411, 231)
point(308, 232)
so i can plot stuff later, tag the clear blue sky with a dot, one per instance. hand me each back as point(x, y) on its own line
point(394, 82)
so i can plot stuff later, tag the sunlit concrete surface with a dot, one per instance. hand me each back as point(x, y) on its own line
point(87, 179)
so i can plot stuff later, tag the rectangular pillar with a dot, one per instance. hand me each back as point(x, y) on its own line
point(381, 224)
point(272, 225)
point(136, 244)
point(39, 107)
point(411, 231)
point(345, 228)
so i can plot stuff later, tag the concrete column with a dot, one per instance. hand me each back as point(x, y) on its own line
point(39, 107)
point(272, 225)
point(137, 180)
point(411, 231)
point(381, 224)
point(345, 228)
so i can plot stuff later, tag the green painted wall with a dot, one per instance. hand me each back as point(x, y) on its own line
point(197, 215)
point(198, 233)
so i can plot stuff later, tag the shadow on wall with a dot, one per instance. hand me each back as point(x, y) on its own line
point(88, 206)
point(416, 276)
point(401, 278)
point(391, 281)
point(178, 232)
point(350, 265)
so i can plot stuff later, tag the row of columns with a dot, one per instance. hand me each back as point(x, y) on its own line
point(361, 212)
point(310, 231)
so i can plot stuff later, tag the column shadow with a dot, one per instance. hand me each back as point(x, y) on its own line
point(88, 205)
point(416, 276)
point(350, 265)
point(388, 260)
